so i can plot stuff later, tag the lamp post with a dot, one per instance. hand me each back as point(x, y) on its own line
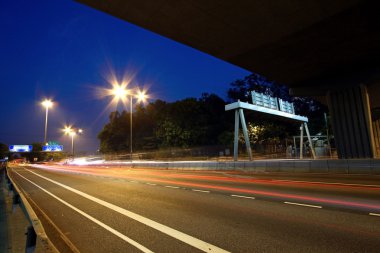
point(141, 97)
point(72, 132)
point(120, 93)
point(130, 115)
point(47, 103)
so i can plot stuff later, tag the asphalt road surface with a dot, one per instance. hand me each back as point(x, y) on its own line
point(108, 209)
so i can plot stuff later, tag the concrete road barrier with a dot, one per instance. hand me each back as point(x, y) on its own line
point(36, 239)
point(343, 166)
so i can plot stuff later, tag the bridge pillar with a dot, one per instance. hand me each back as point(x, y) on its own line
point(351, 122)
point(376, 133)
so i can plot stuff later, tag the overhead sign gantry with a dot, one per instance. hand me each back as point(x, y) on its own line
point(20, 148)
point(269, 105)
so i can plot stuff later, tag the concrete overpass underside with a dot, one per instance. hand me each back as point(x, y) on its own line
point(320, 48)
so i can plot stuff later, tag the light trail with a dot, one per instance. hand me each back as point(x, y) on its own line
point(276, 182)
point(273, 194)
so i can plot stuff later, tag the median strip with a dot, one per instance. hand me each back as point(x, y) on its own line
point(197, 243)
point(300, 204)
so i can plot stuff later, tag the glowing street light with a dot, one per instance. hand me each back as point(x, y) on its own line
point(47, 103)
point(68, 130)
point(120, 92)
point(141, 96)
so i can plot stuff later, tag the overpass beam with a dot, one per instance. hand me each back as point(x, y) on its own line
point(351, 122)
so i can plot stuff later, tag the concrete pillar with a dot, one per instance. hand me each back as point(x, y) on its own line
point(351, 122)
point(376, 135)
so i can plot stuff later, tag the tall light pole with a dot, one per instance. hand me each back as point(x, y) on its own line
point(47, 103)
point(130, 115)
point(121, 93)
point(72, 132)
point(141, 97)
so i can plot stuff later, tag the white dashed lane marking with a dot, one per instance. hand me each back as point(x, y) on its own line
point(300, 204)
point(196, 190)
point(169, 186)
point(241, 196)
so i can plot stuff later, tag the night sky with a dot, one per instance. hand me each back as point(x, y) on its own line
point(64, 50)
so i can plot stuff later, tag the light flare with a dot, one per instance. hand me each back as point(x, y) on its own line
point(47, 103)
point(141, 96)
point(67, 130)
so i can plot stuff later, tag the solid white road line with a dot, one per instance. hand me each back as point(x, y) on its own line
point(60, 232)
point(197, 243)
point(108, 228)
point(300, 204)
point(169, 186)
point(374, 214)
point(196, 190)
point(241, 196)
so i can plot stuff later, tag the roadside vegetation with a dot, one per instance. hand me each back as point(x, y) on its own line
point(202, 122)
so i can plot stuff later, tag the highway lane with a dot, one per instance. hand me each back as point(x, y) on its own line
point(352, 196)
point(208, 207)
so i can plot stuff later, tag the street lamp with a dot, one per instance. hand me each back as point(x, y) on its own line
point(47, 103)
point(120, 93)
point(141, 97)
point(72, 132)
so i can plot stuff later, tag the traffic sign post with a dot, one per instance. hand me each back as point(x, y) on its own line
point(52, 148)
point(269, 105)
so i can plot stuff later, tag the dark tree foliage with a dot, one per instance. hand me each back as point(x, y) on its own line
point(241, 88)
point(184, 123)
point(3, 150)
point(199, 122)
point(192, 122)
point(304, 106)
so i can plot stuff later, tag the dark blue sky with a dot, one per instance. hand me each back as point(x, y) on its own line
point(63, 50)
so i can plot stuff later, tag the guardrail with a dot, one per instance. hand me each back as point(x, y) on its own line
point(36, 238)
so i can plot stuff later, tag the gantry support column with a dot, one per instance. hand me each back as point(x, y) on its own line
point(240, 114)
point(351, 122)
